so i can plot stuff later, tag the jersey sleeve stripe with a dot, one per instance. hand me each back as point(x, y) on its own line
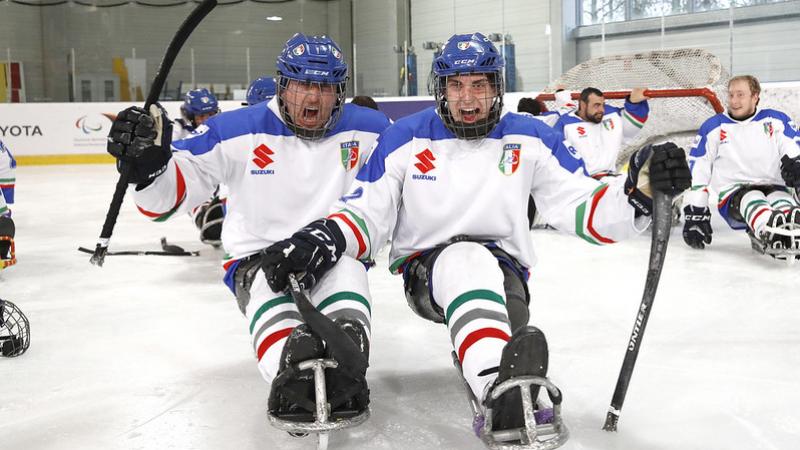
point(597, 195)
point(361, 224)
point(584, 227)
point(637, 121)
point(180, 196)
point(399, 264)
point(362, 246)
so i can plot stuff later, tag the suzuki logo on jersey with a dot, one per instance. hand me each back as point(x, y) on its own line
point(608, 124)
point(509, 161)
point(723, 136)
point(424, 165)
point(768, 130)
point(262, 160)
point(349, 154)
point(581, 131)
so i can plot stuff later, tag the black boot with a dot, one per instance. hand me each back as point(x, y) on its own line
point(524, 355)
point(292, 395)
point(348, 392)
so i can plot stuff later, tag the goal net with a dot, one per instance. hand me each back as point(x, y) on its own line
point(686, 86)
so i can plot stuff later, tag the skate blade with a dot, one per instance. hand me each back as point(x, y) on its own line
point(322, 421)
point(550, 434)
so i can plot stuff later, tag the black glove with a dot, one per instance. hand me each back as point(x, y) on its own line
point(310, 253)
point(697, 226)
point(656, 167)
point(790, 171)
point(141, 139)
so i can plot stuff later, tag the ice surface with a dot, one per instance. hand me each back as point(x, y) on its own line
point(151, 352)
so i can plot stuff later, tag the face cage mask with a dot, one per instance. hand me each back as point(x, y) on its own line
point(311, 133)
point(14, 330)
point(481, 128)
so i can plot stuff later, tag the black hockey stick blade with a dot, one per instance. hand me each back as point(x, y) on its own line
point(142, 252)
point(188, 26)
point(662, 204)
point(342, 348)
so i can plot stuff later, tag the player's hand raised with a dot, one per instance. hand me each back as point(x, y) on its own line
point(141, 138)
point(637, 95)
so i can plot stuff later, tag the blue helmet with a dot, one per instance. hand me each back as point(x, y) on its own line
point(469, 54)
point(260, 90)
point(316, 60)
point(198, 102)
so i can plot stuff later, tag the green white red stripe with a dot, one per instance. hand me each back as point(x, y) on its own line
point(180, 197)
point(358, 227)
point(632, 118)
point(584, 221)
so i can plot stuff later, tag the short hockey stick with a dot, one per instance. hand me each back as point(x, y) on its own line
point(662, 204)
point(142, 253)
point(342, 348)
point(191, 22)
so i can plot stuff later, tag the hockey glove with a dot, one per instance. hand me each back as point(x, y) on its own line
point(656, 167)
point(790, 171)
point(697, 226)
point(310, 253)
point(141, 139)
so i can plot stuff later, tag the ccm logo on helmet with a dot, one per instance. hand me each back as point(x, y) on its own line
point(323, 73)
point(464, 61)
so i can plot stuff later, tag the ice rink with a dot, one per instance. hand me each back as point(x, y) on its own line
point(151, 352)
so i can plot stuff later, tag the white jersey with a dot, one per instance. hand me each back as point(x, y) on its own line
point(599, 144)
point(8, 179)
point(564, 106)
point(277, 182)
point(181, 129)
point(433, 187)
point(728, 153)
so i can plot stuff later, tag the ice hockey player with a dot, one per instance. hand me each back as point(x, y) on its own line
point(261, 90)
point(8, 167)
point(198, 106)
point(749, 157)
point(564, 105)
point(365, 101)
point(284, 164)
point(598, 131)
point(454, 180)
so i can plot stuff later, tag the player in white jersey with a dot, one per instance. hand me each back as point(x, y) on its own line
point(284, 162)
point(564, 106)
point(749, 158)
point(454, 182)
point(8, 167)
point(598, 131)
point(198, 106)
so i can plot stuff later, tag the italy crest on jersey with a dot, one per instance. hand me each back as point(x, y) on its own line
point(509, 161)
point(608, 124)
point(768, 130)
point(349, 154)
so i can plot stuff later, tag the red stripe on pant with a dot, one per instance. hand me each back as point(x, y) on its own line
point(476, 336)
point(271, 339)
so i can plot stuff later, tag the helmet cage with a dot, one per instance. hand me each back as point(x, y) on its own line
point(14, 330)
point(480, 128)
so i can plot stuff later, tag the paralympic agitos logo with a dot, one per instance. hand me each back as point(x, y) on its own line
point(94, 123)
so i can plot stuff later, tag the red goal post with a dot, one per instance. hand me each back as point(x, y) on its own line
point(706, 93)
